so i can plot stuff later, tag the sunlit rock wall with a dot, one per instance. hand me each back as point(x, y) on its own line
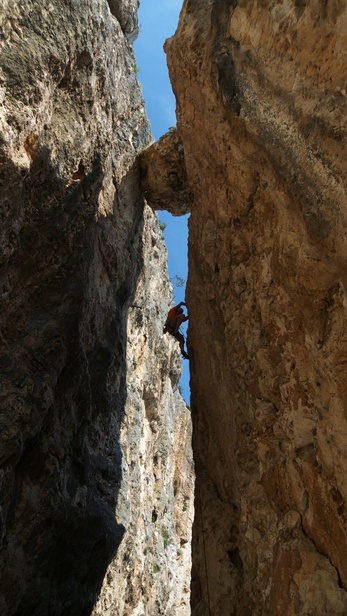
point(261, 104)
point(86, 394)
point(151, 573)
point(164, 176)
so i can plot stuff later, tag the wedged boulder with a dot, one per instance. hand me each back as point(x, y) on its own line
point(164, 176)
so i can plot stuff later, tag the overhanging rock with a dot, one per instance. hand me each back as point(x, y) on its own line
point(164, 177)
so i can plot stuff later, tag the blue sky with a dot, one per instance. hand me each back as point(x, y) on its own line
point(158, 21)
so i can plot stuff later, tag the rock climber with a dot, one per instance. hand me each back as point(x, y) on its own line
point(174, 320)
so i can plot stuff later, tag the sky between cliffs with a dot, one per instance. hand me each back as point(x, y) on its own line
point(158, 21)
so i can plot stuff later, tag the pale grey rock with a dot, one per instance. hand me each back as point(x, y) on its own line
point(125, 12)
point(151, 572)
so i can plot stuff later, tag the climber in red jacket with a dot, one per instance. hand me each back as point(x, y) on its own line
point(174, 320)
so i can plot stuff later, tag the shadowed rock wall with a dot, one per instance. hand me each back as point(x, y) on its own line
point(74, 242)
point(261, 105)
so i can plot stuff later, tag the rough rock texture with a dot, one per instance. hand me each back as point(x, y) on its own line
point(164, 176)
point(155, 502)
point(74, 247)
point(261, 104)
point(125, 11)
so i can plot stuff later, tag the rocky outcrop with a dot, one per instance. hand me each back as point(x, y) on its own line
point(151, 572)
point(90, 407)
point(125, 11)
point(164, 177)
point(261, 104)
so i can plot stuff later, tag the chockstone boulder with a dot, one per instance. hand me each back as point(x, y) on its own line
point(164, 177)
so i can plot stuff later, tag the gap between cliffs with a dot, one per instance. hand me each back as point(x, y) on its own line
point(163, 169)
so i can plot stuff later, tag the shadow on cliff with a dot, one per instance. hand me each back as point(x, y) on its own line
point(69, 276)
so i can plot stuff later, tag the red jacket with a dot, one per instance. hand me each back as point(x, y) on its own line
point(173, 312)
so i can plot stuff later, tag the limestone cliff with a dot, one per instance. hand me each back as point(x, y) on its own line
point(95, 463)
point(261, 106)
point(151, 573)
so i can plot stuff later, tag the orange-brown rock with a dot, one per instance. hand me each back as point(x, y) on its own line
point(164, 176)
point(261, 104)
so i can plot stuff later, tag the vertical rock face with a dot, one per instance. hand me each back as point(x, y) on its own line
point(261, 103)
point(90, 411)
point(151, 572)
